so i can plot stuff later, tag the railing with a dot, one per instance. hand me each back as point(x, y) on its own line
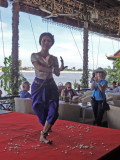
point(7, 103)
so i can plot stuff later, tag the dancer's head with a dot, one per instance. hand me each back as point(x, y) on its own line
point(48, 35)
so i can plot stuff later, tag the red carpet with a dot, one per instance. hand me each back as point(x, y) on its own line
point(19, 139)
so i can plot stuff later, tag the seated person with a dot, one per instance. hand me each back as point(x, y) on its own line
point(0, 93)
point(24, 93)
point(68, 91)
point(118, 85)
point(114, 87)
point(78, 90)
point(78, 87)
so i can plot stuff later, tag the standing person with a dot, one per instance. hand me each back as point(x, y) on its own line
point(44, 89)
point(99, 85)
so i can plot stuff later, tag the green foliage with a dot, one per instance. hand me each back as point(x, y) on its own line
point(114, 74)
point(111, 75)
point(5, 78)
point(75, 84)
point(24, 68)
point(117, 65)
point(80, 69)
point(84, 80)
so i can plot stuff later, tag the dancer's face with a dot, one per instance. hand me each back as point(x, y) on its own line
point(46, 43)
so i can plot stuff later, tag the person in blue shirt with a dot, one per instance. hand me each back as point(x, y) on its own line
point(99, 85)
point(24, 93)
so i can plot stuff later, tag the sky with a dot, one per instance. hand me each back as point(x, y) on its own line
point(68, 41)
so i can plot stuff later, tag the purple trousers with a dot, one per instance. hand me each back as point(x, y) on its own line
point(45, 98)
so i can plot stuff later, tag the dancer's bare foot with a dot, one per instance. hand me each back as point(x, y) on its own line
point(43, 138)
point(50, 130)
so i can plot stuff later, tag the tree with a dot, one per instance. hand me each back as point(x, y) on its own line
point(5, 78)
point(111, 74)
point(114, 73)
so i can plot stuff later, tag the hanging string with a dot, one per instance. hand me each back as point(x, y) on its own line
point(98, 51)
point(47, 26)
point(2, 34)
point(113, 46)
point(33, 32)
point(92, 51)
point(81, 36)
point(76, 44)
point(118, 45)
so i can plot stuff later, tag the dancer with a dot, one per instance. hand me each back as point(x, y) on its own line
point(44, 89)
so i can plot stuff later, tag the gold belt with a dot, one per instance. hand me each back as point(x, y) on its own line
point(43, 83)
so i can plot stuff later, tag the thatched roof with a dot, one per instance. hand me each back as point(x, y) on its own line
point(102, 16)
point(4, 3)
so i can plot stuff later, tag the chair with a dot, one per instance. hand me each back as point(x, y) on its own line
point(70, 112)
point(113, 97)
point(113, 117)
point(23, 105)
point(87, 93)
point(86, 109)
point(60, 87)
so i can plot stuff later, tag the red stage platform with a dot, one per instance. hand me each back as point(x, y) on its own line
point(19, 140)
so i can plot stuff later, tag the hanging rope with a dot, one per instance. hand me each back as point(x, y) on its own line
point(81, 36)
point(113, 46)
point(33, 32)
point(2, 34)
point(47, 26)
point(98, 51)
point(92, 51)
point(118, 45)
point(76, 44)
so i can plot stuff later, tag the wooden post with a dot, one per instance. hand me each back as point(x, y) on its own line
point(85, 56)
point(15, 38)
point(85, 49)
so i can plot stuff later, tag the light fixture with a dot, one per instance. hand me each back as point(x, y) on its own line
point(94, 13)
point(85, 24)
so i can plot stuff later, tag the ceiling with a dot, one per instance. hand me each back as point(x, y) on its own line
point(102, 16)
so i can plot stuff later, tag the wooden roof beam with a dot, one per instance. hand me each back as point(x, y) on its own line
point(32, 10)
point(60, 20)
point(67, 21)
